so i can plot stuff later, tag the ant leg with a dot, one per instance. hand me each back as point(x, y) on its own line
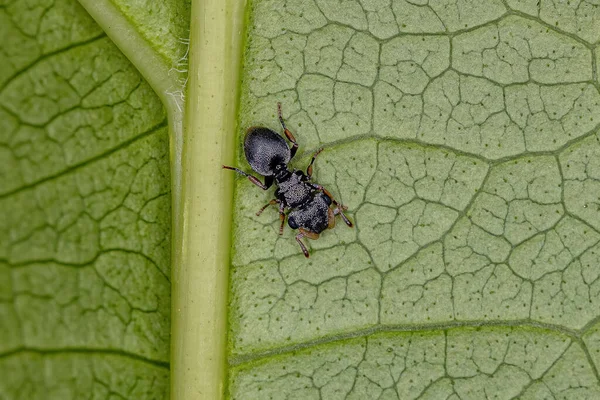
point(330, 218)
point(308, 234)
point(302, 246)
point(287, 132)
point(314, 157)
point(336, 210)
point(253, 179)
point(281, 217)
point(322, 189)
point(340, 207)
point(271, 203)
point(281, 212)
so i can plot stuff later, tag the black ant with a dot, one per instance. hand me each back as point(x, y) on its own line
point(268, 154)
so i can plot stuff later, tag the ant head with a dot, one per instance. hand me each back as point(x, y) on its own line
point(292, 222)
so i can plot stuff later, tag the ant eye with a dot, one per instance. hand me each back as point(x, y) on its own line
point(292, 222)
point(327, 199)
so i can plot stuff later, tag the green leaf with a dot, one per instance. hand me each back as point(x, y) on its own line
point(462, 136)
point(85, 201)
point(464, 140)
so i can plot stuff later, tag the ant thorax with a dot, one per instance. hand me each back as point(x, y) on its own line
point(294, 190)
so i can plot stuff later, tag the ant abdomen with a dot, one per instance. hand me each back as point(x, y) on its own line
point(265, 149)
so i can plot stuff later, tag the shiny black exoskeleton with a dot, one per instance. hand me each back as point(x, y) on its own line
point(268, 154)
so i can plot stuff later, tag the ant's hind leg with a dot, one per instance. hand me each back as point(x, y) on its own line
point(253, 179)
point(287, 132)
point(314, 157)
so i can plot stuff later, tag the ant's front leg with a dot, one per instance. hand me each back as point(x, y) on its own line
point(287, 132)
point(331, 218)
point(264, 186)
point(338, 210)
point(308, 234)
point(339, 207)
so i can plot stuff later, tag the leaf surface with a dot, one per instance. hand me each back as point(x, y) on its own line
point(463, 137)
point(85, 204)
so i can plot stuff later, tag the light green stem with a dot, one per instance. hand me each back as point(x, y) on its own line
point(200, 142)
point(200, 274)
